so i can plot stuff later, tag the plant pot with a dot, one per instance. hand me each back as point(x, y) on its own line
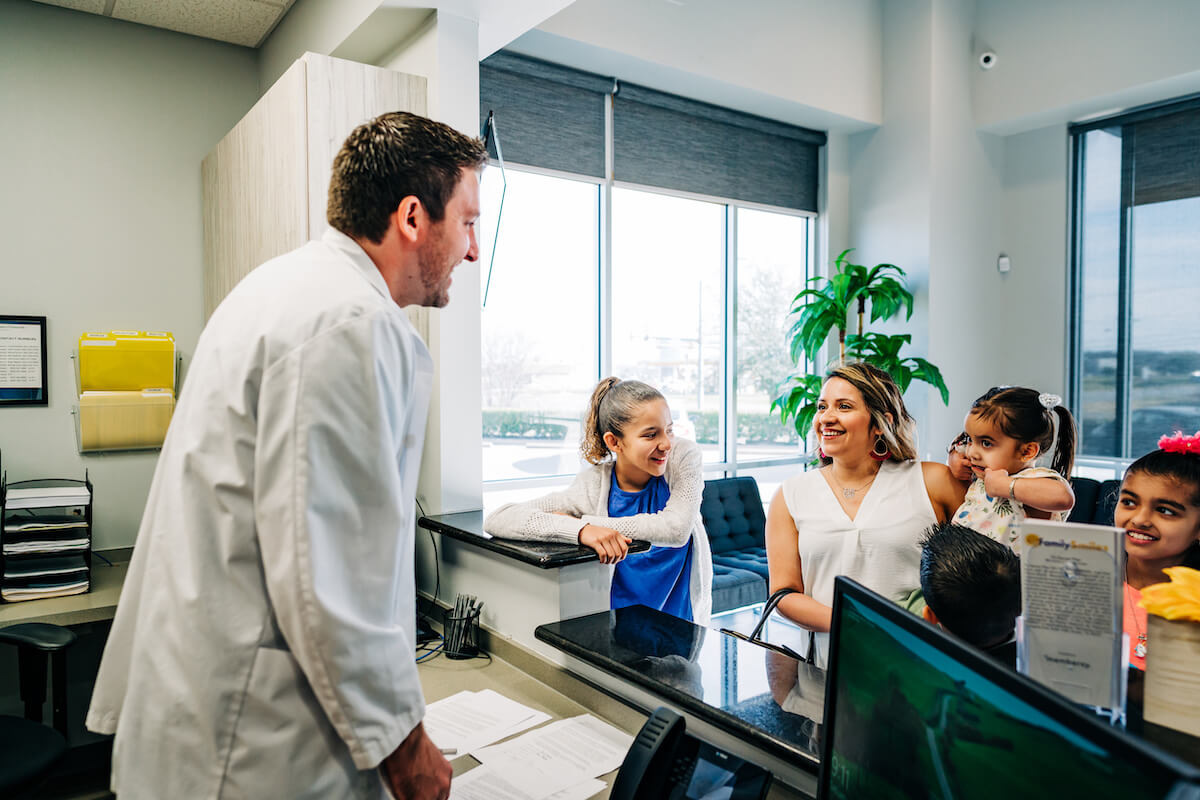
point(1173, 674)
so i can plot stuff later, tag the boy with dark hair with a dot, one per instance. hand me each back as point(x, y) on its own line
point(972, 587)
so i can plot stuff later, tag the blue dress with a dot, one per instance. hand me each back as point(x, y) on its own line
point(660, 577)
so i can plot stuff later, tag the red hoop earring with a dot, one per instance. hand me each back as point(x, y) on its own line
point(821, 454)
point(875, 454)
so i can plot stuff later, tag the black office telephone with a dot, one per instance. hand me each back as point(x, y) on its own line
point(666, 763)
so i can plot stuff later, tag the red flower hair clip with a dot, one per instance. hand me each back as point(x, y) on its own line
point(1180, 443)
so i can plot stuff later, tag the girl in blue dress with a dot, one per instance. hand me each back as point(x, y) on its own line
point(640, 483)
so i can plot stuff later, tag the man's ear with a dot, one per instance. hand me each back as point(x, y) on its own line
point(929, 616)
point(410, 218)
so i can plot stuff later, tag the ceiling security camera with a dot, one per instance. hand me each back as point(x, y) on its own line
point(987, 59)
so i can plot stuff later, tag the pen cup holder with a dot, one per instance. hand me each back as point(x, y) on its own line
point(460, 633)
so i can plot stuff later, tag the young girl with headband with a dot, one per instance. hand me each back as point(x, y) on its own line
point(641, 483)
point(1008, 428)
point(1159, 508)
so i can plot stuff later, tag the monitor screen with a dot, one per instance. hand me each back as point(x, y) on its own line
point(912, 712)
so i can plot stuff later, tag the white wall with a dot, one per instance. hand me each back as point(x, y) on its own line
point(104, 127)
point(970, 316)
point(890, 170)
point(808, 62)
point(1062, 60)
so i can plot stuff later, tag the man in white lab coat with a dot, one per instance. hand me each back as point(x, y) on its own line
point(263, 646)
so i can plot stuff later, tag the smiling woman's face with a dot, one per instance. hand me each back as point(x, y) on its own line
point(843, 421)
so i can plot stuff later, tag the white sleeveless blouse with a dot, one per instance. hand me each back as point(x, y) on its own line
point(880, 548)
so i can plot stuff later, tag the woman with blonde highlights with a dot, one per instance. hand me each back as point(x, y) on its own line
point(862, 514)
point(641, 483)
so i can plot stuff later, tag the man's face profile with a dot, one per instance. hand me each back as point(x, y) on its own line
point(450, 241)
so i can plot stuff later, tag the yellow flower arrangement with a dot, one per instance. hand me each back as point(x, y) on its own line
point(1177, 599)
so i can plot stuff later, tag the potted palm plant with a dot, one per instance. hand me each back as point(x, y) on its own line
point(825, 306)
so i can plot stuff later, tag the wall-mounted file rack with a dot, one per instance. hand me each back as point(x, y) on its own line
point(45, 538)
point(133, 412)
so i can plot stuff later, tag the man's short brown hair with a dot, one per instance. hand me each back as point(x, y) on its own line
point(389, 158)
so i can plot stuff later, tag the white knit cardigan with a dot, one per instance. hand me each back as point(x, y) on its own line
point(586, 500)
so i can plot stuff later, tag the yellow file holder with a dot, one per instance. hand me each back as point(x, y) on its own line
point(124, 420)
point(126, 361)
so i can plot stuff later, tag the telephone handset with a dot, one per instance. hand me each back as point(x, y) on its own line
point(665, 763)
point(651, 759)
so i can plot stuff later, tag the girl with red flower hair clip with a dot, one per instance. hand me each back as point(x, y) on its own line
point(1159, 508)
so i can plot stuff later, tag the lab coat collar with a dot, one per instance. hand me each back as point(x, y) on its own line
point(359, 258)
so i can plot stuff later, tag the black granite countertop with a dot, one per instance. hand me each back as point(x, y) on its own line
point(467, 526)
point(763, 698)
point(766, 699)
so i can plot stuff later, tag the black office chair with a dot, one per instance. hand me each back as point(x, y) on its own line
point(28, 748)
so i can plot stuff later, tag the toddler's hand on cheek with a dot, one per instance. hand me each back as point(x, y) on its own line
point(995, 482)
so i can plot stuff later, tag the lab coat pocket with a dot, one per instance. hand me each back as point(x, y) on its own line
point(283, 742)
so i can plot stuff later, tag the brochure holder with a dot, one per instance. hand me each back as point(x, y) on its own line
point(1071, 634)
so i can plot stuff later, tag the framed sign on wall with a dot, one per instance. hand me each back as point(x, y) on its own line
point(23, 361)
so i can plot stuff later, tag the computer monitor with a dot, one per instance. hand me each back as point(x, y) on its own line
point(912, 712)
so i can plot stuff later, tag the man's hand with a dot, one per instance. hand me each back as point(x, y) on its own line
point(417, 770)
point(996, 481)
point(610, 545)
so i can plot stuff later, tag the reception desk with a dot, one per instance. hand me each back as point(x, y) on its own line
point(760, 705)
point(522, 584)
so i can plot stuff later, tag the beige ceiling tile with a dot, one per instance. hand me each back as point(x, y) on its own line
point(243, 22)
point(90, 6)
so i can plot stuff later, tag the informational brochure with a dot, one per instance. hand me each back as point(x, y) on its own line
point(1071, 595)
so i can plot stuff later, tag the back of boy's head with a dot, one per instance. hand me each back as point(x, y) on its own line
point(972, 583)
point(1030, 416)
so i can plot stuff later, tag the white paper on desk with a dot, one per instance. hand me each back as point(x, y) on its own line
point(469, 720)
point(483, 783)
point(560, 754)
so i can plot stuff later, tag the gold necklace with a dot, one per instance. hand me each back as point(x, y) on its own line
point(849, 493)
point(1139, 649)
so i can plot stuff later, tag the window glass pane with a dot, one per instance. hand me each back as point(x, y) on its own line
point(1099, 259)
point(771, 261)
point(668, 306)
point(540, 325)
point(770, 478)
point(1165, 359)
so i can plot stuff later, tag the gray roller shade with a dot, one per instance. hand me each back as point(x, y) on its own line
point(672, 142)
point(546, 115)
point(1166, 157)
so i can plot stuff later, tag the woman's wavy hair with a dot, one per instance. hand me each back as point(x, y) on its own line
point(614, 404)
point(883, 398)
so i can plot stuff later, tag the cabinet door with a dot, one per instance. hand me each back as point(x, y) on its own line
point(256, 188)
point(341, 96)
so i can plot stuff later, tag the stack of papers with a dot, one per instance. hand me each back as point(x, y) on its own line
point(38, 591)
point(560, 761)
point(47, 497)
point(469, 720)
point(40, 567)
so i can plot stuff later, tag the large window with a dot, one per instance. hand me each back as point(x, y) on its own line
point(1137, 345)
point(644, 235)
point(540, 352)
point(680, 270)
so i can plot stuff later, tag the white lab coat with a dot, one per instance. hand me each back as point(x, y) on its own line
point(263, 645)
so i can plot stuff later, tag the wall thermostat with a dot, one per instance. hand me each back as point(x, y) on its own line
point(1003, 264)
